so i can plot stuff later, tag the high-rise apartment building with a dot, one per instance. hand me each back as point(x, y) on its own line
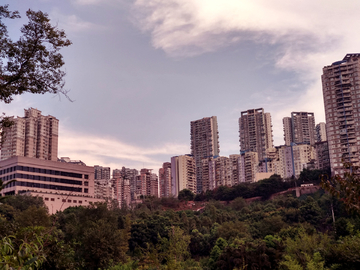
point(255, 132)
point(101, 173)
point(122, 191)
point(204, 137)
point(127, 174)
point(124, 183)
point(292, 160)
point(223, 171)
point(234, 160)
point(33, 135)
point(183, 174)
point(147, 184)
point(299, 128)
point(248, 167)
point(321, 132)
point(104, 189)
point(165, 180)
point(322, 156)
point(341, 90)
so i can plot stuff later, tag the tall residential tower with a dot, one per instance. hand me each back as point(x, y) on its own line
point(341, 90)
point(204, 137)
point(299, 128)
point(255, 132)
point(34, 135)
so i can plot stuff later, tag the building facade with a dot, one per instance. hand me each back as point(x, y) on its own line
point(33, 135)
point(165, 180)
point(292, 160)
point(322, 156)
point(101, 173)
point(255, 132)
point(299, 128)
point(321, 132)
point(183, 174)
point(341, 89)
point(204, 138)
point(60, 184)
point(248, 167)
point(147, 184)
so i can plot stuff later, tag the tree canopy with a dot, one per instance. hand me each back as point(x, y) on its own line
point(32, 63)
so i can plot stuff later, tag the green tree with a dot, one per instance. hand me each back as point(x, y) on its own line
point(301, 251)
point(186, 195)
point(27, 256)
point(345, 187)
point(98, 240)
point(31, 64)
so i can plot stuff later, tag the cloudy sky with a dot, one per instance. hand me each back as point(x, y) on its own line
point(140, 70)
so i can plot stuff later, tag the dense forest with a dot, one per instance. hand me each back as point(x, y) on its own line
point(310, 232)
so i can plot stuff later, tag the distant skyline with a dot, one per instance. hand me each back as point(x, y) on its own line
point(140, 71)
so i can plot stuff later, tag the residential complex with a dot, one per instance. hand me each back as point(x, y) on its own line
point(101, 173)
point(321, 132)
point(147, 184)
point(165, 180)
point(204, 142)
point(299, 128)
point(33, 135)
point(341, 89)
point(183, 174)
point(29, 152)
point(255, 132)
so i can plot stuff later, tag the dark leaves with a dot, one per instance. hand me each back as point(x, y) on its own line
point(31, 64)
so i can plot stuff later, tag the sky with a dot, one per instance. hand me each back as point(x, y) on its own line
point(139, 71)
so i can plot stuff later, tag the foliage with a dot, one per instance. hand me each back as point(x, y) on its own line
point(306, 250)
point(264, 188)
point(96, 228)
point(346, 187)
point(28, 255)
point(23, 202)
point(312, 176)
point(186, 195)
point(5, 122)
point(31, 64)
point(282, 233)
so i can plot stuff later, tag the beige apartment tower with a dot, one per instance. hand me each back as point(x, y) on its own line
point(183, 174)
point(204, 137)
point(341, 90)
point(255, 132)
point(34, 135)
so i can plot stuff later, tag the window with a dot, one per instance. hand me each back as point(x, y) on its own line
point(63, 200)
point(86, 183)
point(46, 199)
point(86, 190)
point(69, 200)
point(86, 176)
point(52, 199)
